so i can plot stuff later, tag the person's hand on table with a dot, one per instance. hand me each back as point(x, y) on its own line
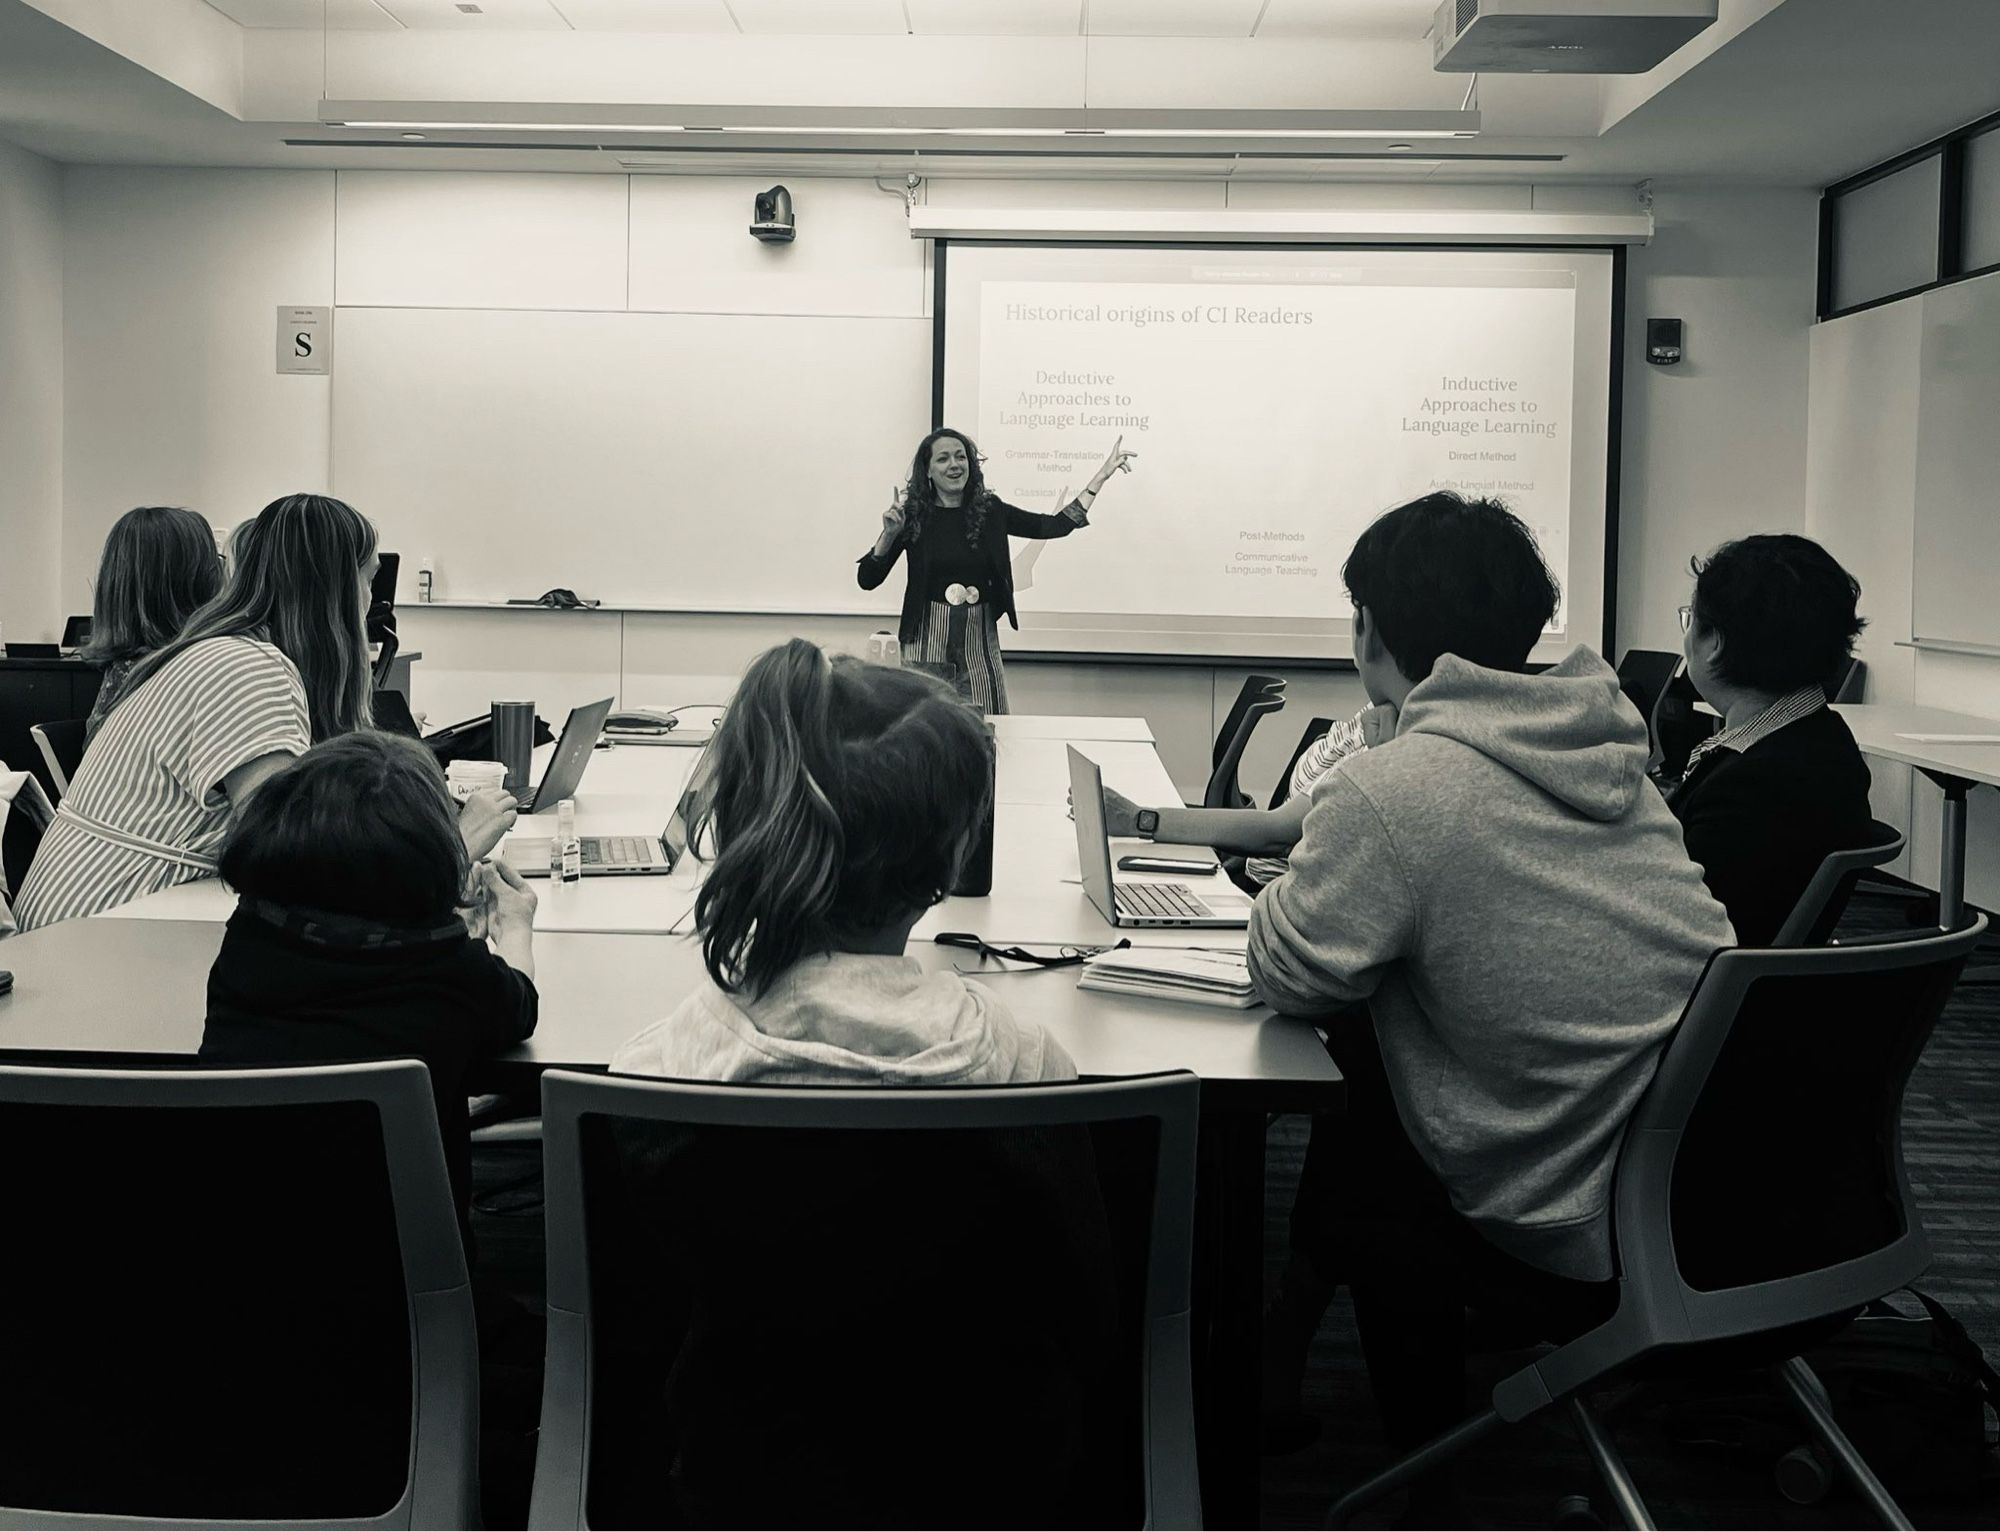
point(488, 814)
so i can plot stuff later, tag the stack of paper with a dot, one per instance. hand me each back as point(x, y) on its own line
point(1173, 973)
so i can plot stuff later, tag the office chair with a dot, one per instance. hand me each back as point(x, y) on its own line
point(1643, 674)
point(385, 659)
point(1760, 1199)
point(61, 744)
point(1825, 898)
point(906, 1287)
point(1848, 681)
point(233, 1296)
point(25, 816)
point(1259, 695)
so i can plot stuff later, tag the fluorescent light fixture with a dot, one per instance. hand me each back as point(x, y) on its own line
point(897, 122)
point(1366, 226)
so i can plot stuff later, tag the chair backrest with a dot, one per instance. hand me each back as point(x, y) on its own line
point(1848, 681)
point(1315, 731)
point(916, 1290)
point(1825, 898)
point(1255, 685)
point(1761, 1183)
point(385, 658)
point(1260, 694)
point(232, 1296)
point(61, 744)
point(1643, 674)
point(25, 815)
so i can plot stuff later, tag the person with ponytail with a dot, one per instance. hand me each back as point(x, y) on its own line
point(275, 662)
point(841, 798)
point(961, 581)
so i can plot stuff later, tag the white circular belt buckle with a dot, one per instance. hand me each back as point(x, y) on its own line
point(961, 595)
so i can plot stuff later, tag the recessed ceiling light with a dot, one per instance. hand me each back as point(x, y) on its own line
point(1402, 148)
point(413, 135)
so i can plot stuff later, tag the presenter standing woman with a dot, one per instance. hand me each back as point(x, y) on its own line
point(961, 582)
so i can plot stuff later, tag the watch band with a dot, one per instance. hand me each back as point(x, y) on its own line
point(1148, 822)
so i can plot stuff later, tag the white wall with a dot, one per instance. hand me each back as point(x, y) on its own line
point(1715, 446)
point(172, 283)
point(174, 277)
point(1861, 480)
point(31, 395)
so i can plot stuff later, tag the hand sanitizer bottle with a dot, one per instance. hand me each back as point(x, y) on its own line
point(567, 850)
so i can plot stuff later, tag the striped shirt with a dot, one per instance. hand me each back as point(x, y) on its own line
point(1802, 703)
point(1346, 737)
point(146, 809)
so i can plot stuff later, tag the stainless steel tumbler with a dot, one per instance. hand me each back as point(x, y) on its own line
point(514, 742)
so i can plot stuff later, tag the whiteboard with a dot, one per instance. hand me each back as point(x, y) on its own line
point(1955, 593)
point(701, 462)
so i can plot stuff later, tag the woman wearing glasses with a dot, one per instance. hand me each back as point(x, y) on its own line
point(961, 582)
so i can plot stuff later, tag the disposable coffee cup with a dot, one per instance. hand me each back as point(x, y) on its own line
point(464, 778)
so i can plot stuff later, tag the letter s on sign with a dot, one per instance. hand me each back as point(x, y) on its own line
point(302, 344)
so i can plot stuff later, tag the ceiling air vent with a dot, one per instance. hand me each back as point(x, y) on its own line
point(1562, 36)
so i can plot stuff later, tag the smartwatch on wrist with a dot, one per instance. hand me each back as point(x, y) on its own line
point(1148, 822)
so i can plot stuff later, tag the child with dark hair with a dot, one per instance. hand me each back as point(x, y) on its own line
point(1765, 800)
point(351, 941)
point(842, 799)
point(348, 940)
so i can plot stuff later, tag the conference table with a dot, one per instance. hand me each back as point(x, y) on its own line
point(614, 953)
point(1967, 755)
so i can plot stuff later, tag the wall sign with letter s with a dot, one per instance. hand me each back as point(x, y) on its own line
point(305, 339)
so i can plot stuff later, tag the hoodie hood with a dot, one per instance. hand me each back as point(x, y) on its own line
point(1569, 730)
point(845, 1017)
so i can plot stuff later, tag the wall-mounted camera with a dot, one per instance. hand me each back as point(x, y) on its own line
point(771, 217)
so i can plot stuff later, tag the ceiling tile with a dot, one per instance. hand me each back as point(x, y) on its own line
point(307, 15)
point(1374, 20)
point(646, 15)
point(492, 15)
point(1172, 18)
point(995, 18)
point(820, 18)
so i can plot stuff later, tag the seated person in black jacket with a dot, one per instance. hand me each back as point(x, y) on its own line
point(361, 932)
point(1782, 784)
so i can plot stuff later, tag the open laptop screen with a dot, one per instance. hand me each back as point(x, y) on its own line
point(1093, 849)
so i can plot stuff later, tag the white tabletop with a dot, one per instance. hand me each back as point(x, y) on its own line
point(632, 790)
point(139, 987)
point(606, 963)
point(1881, 729)
point(1067, 727)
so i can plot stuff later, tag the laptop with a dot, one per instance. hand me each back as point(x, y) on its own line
point(579, 738)
point(76, 633)
point(1133, 904)
point(613, 856)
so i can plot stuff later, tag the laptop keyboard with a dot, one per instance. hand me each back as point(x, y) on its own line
point(616, 851)
point(1172, 900)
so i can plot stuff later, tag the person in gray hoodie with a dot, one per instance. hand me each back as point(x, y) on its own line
point(1503, 890)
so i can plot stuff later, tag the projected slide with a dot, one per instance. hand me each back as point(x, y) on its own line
point(1278, 402)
